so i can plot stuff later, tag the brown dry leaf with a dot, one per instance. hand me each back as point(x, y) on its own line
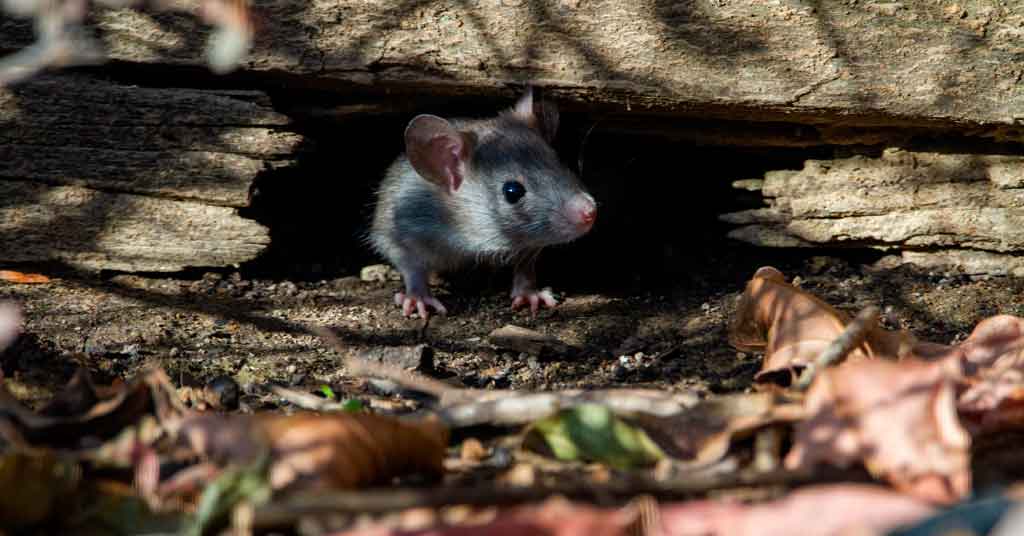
point(702, 435)
point(826, 510)
point(19, 277)
point(83, 413)
point(554, 517)
point(993, 356)
point(792, 327)
point(899, 419)
point(307, 450)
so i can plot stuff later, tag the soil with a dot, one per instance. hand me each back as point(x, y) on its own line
point(667, 332)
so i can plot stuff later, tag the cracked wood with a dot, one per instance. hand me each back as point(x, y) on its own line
point(855, 63)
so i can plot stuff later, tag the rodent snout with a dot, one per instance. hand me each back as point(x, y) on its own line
point(582, 212)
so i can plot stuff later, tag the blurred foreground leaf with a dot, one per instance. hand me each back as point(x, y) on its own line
point(593, 432)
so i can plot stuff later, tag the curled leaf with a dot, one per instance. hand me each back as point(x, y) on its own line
point(792, 327)
point(898, 419)
point(347, 450)
point(592, 432)
point(83, 412)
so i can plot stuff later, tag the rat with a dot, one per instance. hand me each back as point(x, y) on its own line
point(478, 190)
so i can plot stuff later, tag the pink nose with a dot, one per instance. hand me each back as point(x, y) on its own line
point(582, 211)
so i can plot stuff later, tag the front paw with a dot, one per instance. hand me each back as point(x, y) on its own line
point(412, 302)
point(534, 298)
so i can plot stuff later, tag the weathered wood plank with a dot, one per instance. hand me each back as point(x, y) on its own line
point(855, 63)
point(95, 230)
point(209, 177)
point(178, 143)
point(967, 209)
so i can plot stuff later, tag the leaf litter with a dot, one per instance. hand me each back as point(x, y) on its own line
point(886, 407)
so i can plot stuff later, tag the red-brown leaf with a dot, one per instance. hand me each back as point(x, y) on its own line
point(827, 510)
point(324, 451)
point(899, 419)
point(19, 277)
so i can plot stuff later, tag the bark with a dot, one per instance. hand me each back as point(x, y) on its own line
point(107, 176)
point(96, 230)
point(935, 209)
point(851, 63)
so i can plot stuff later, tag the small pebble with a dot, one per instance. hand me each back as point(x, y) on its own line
point(472, 450)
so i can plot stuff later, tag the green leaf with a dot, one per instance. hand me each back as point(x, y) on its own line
point(591, 432)
point(352, 405)
point(232, 487)
point(328, 392)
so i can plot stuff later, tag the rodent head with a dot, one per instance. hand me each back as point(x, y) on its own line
point(503, 177)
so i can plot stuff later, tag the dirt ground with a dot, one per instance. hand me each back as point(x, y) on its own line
point(668, 332)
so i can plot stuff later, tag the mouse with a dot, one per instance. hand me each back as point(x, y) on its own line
point(471, 191)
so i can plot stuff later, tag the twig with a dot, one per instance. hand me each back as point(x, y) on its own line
point(507, 408)
point(851, 337)
point(306, 400)
point(460, 407)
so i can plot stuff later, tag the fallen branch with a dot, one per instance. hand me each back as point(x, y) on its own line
point(851, 337)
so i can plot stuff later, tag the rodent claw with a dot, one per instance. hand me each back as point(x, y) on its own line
point(535, 299)
point(410, 304)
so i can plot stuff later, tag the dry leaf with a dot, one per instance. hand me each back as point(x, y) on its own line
point(83, 412)
point(555, 517)
point(702, 435)
point(826, 510)
point(899, 419)
point(19, 277)
point(323, 451)
point(792, 327)
point(993, 357)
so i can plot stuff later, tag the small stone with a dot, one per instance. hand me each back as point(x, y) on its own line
point(527, 340)
point(223, 392)
point(416, 357)
point(288, 288)
point(174, 352)
point(522, 475)
point(379, 273)
point(472, 450)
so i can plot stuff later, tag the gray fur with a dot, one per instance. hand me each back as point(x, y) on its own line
point(421, 227)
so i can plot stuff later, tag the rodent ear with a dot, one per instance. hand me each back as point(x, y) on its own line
point(540, 115)
point(436, 150)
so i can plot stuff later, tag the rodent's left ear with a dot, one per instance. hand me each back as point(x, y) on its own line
point(437, 151)
point(540, 115)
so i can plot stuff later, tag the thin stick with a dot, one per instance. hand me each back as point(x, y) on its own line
point(851, 337)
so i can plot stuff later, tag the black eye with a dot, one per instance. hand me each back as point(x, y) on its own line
point(514, 191)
